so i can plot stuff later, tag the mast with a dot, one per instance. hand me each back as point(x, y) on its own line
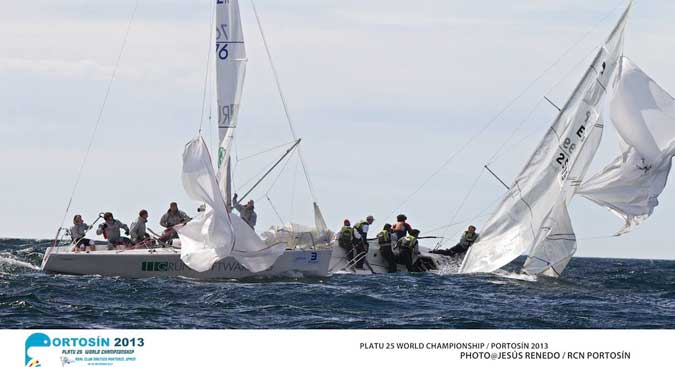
point(230, 72)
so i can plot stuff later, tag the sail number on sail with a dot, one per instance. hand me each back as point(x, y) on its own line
point(569, 145)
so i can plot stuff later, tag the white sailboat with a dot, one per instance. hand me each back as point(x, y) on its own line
point(533, 219)
point(217, 243)
point(374, 263)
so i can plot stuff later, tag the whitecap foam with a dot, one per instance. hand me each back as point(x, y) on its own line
point(10, 261)
point(516, 276)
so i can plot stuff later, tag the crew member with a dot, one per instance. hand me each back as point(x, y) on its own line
point(110, 229)
point(361, 240)
point(246, 212)
point(77, 233)
point(408, 249)
point(467, 240)
point(171, 218)
point(401, 227)
point(138, 229)
point(384, 239)
point(346, 239)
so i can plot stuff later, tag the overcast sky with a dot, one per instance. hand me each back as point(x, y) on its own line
point(382, 93)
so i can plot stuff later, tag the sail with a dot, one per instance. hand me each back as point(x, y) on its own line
point(230, 72)
point(209, 236)
point(319, 221)
point(644, 117)
point(215, 233)
point(554, 251)
point(554, 170)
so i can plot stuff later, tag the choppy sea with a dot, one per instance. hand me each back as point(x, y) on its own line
point(593, 293)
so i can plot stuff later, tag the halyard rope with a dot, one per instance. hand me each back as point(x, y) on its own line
point(100, 114)
point(480, 132)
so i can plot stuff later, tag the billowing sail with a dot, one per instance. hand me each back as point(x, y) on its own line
point(230, 71)
point(209, 236)
point(644, 117)
point(553, 172)
point(215, 233)
point(554, 251)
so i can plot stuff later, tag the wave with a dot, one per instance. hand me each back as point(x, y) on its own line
point(7, 260)
point(517, 276)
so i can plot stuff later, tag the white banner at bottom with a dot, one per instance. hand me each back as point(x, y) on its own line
point(318, 348)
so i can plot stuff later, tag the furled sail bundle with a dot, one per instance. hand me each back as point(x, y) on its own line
point(215, 233)
point(644, 117)
point(533, 216)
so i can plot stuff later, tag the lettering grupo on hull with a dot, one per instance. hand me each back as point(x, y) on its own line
point(178, 266)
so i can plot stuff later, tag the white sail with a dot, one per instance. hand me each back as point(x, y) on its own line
point(209, 236)
point(215, 233)
point(230, 71)
point(319, 222)
point(555, 249)
point(644, 117)
point(553, 172)
point(556, 242)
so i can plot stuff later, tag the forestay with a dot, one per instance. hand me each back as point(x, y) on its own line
point(533, 215)
point(230, 72)
point(644, 117)
point(215, 233)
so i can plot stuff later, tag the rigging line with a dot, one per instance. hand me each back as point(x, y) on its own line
point(283, 100)
point(266, 151)
point(460, 207)
point(495, 157)
point(276, 163)
point(100, 112)
point(456, 223)
point(208, 67)
point(283, 169)
point(482, 213)
point(295, 181)
point(275, 209)
point(503, 110)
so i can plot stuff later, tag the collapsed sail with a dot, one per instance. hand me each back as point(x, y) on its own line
point(644, 117)
point(555, 250)
point(215, 233)
point(230, 72)
point(553, 172)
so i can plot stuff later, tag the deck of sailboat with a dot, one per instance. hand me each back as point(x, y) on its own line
point(166, 262)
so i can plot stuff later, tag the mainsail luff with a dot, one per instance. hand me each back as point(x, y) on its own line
point(552, 174)
point(230, 72)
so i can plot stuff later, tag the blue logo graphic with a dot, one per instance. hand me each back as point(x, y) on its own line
point(35, 340)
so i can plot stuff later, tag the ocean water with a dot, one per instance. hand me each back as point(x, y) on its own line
point(593, 293)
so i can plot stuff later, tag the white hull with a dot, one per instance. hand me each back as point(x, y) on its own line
point(166, 262)
point(426, 261)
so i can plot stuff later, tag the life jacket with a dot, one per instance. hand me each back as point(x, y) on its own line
point(384, 237)
point(346, 234)
point(408, 242)
point(359, 226)
point(470, 239)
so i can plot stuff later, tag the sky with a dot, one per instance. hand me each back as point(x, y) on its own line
point(381, 92)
